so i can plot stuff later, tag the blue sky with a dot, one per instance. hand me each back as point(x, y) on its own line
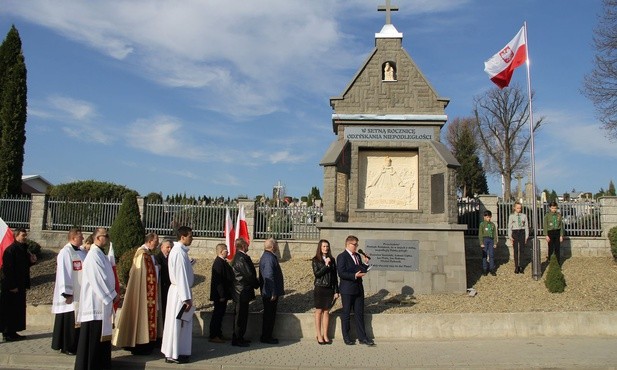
point(225, 98)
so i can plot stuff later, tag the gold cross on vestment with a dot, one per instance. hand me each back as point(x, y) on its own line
point(388, 9)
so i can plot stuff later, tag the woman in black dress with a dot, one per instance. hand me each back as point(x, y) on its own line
point(326, 289)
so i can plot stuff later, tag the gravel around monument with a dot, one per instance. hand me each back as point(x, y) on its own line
point(591, 286)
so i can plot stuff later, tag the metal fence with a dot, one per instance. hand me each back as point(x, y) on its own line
point(205, 220)
point(87, 215)
point(15, 211)
point(287, 222)
point(579, 218)
point(283, 222)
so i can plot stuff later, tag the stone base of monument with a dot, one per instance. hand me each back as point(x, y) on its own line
point(406, 258)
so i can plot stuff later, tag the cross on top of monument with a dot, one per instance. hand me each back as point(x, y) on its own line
point(388, 9)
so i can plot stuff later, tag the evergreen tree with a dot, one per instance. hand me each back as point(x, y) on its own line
point(127, 231)
point(13, 109)
point(471, 178)
point(611, 189)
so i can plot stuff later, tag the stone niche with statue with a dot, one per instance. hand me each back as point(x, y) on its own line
point(390, 181)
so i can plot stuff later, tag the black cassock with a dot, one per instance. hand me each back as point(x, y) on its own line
point(15, 274)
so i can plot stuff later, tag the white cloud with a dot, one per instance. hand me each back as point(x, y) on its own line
point(77, 110)
point(240, 60)
point(164, 136)
point(577, 134)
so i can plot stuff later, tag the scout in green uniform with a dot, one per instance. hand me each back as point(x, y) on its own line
point(554, 231)
point(487, 233)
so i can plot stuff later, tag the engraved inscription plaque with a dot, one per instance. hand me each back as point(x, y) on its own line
point(394, 255)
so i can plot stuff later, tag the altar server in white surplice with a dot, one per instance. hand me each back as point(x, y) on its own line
point(177, 332)
point(66, 293)
point(98, 293)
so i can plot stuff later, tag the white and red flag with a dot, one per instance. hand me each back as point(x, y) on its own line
point(242, 229)
point(501, 65)
point(229, 235)
point(111, 256)
point(6, 238)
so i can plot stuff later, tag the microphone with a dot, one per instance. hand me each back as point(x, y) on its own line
point(360, 251)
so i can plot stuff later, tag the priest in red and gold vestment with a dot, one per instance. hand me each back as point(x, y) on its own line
point(136, 327)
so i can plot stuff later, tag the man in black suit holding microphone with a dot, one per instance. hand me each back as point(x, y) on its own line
point(350, 271)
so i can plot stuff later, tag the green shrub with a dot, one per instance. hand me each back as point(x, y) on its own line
point(555, 281)
point(89, 190)
point(127, 231)
point(34, 247)
point(124, 267)
point(612, 238)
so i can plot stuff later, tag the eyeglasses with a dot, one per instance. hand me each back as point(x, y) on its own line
point(354, 244)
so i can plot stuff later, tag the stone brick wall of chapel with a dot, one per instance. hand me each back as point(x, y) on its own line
point(410, 94)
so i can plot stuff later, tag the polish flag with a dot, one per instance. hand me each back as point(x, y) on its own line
point(242, 229)
point(501, 65)
point(112, 259)
point(229, 235)
point(6, 238)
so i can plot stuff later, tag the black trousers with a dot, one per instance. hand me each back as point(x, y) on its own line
point(65, 335)
point(240, 319)
point(216, 321)
point(355, 302)
point(554, 245)
point(12, 312)
point(269, 317)
point(92, 354)
point(518, 246)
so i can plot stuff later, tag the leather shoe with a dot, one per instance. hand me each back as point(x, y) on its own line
point(14, 338)
point(217, 340)
point(170, 360)
point(350, 342)
point(493, 273)
point(270, 341)
point(368, 342)
point(70, 353)
point(239, 343)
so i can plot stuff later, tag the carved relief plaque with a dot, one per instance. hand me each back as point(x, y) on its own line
point(388, 179)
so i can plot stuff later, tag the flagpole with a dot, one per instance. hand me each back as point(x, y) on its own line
point(536, 267)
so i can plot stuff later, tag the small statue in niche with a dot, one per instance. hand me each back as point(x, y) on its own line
point(389, 74)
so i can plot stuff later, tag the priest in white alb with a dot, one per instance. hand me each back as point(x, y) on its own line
point(98, 293)
point(178, 329)
point(66, 293)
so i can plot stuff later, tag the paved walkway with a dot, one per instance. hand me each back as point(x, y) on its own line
point(539, 352)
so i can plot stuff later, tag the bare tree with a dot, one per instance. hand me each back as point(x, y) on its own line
point(501, 118)
point(600, 84)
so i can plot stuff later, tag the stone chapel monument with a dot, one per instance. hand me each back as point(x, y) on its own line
point(389, 180)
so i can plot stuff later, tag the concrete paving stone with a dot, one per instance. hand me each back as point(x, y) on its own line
point(470, 353)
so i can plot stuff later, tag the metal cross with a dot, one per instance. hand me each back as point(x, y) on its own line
point(388, 9)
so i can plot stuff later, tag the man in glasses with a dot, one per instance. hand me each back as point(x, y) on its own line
point(350, 270)
point(97, 296)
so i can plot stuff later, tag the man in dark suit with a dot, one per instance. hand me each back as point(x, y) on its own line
point(350, 271)
point(221, 285)
point(272, 288)
point(245, 283)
